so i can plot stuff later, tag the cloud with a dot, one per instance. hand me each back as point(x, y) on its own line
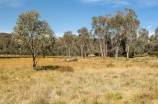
point(151, 32)
point(5, 31)
point(149, 3)
point(138, 3)
point(11, 3)
point(59, 34)
point(149, 27)
point(90, 1)
point(109, 2)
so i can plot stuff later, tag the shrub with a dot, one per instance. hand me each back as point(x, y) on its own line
point(49, 67)
point(56, 67)
point(153, 54)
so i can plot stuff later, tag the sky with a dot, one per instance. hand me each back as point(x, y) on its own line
point(71, 15)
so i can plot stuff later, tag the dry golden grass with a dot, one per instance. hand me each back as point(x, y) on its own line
point(94, 81)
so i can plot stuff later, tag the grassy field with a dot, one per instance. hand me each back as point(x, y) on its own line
point(92, 81)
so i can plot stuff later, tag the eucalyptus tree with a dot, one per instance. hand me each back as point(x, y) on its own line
point(144, 34)
point(83, 40)
point(68, 40)
point(74, 49)
point(131, 24)
point(116, 23)
point(99, 25)
point(152, 38)
point(105, 32)
point(32, 33)
point(149, 46)
point(5, 42)
point(139, 46)
point(47, 47)
point(156, 33)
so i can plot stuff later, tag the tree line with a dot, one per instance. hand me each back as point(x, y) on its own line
point(111, 35)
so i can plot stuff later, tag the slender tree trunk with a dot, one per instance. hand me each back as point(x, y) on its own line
point(85, 54)
point(81, 50)
point(44, 55)
point(127, 52)
point(116, 52)
point(33, 62)
point(69, 53)
point(106, 50)
point(101, 49)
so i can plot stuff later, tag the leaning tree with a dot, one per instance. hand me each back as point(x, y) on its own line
point(32, 33)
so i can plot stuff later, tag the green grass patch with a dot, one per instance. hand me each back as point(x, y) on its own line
point(114, 96)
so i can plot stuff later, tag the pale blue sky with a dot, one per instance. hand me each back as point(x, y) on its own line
point(65, 15)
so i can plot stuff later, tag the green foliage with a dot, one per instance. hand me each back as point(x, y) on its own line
point(139, 46)
point(33, 34)
point(144, 34)
point(68, 40)
point(156, 33)
point(83, 40)
point(153, 54)
point(101, 32)
point(142, 55)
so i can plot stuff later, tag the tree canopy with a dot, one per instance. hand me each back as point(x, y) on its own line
point(32, 33)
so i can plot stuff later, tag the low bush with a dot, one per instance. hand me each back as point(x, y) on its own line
point(153, 54)
point(56, 67)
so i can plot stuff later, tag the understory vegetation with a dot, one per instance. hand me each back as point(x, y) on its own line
point(90, 80)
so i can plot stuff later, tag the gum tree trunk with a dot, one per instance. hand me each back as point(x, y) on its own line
point(106, 50)
point(69, 53)
point(127, 52)
point(116, 52)
point(82, 50)
point(101, 49)
point(33, 62)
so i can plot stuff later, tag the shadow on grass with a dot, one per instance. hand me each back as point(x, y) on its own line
point(56, 67)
